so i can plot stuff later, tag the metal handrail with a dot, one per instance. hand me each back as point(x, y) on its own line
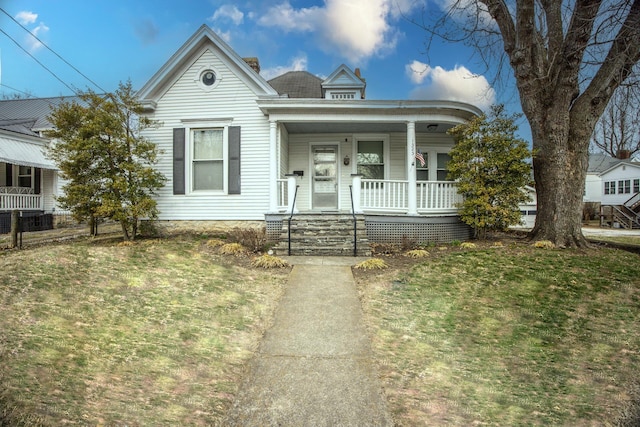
point(293, 206)
point(632, 200)
point(355, 223)
point(623, 215)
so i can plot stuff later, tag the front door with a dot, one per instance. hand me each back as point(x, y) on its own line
point(325, 177)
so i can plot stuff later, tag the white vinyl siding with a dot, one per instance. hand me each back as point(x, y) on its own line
point(620, 183)
point(186, 105)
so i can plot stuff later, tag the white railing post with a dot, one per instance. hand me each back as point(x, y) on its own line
point(356, 182)
point(412, 196)
point(291, 192)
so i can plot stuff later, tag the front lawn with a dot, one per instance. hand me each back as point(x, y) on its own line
point(156, 333)
point(508, 335)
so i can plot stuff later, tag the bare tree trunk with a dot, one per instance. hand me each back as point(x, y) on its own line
point(559, 173)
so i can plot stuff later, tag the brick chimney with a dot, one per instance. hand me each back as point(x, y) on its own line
point(623, 154)
point(358, 75)
point(253, 63)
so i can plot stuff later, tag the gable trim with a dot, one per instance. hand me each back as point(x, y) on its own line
point(186, 55)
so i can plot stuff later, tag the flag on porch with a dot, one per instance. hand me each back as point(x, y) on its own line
point(420, 158)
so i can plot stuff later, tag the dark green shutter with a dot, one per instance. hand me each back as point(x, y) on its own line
point(234, 159)
point(37, 176)
point(9, 176)
point(178, 160)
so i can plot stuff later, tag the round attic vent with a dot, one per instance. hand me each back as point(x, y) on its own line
point(208, 77)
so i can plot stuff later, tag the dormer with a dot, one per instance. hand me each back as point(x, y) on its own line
point(344, 84)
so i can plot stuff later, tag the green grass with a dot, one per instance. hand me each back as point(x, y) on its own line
point(508, 336)
point(151, 334)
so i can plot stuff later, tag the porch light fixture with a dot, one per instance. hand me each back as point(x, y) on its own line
point(346, 160)
point(432, 127)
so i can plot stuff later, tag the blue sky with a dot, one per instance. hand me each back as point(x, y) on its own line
point(114, 40)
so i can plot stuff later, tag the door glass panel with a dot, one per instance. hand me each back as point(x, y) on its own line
point(325, 192)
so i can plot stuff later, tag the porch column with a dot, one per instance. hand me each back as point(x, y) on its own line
point(291, 192)
point(412, 193)
point(356, 187)
point(273, 166)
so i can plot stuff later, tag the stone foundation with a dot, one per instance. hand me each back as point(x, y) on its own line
point(176, 227)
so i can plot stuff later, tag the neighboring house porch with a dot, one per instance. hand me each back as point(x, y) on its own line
point(27, 177)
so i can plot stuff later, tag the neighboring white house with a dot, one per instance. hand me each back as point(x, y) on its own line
point(593, 187)
point(620, 182)
point(237, 146)
point(28, 179)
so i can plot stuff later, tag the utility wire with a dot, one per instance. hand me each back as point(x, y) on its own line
point(35, 59)
point(52, 51)
point(17, 90)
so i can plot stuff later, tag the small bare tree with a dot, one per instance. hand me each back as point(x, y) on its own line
point(617, 133)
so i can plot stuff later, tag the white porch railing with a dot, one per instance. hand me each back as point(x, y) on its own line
point(437, 195)
point(9, 202)
point(283, 195)
point(384, 195)
point(392, 196)
point(389, 195)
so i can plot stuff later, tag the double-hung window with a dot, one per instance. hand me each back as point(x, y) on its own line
point(610, 187)
point(371, 159)
point(25, 176)
point(443, 161)
point(208, 160)
point(624, 186)
point(422, 172)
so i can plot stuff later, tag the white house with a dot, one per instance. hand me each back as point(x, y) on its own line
point(593, 187)
point(237, 146)
point(28, 179)
point(620, 182)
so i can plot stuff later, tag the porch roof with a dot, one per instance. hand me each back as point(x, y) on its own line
point(23, 153)
point(320, 115)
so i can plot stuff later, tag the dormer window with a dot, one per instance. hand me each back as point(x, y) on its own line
point(343, 84)
point(343, 95)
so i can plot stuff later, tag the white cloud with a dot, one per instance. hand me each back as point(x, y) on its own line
point(39, 31)
point(417, 71)
point(458, 84)
point(299, 63)
point(230, 12)
point(26, 17)
point(289, 19)
point(355, 29)
point(226, 36)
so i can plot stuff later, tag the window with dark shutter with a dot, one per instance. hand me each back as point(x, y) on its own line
point(234, 160)
point(9, 175)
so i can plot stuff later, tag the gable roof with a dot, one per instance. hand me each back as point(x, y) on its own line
point(343, 76)
point(204, 38)
point(600, 162)
point(298, 84)
point(618, 164)
point(29, 115)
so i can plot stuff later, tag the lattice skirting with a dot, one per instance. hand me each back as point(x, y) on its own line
point(381, 229)
point(395, 229)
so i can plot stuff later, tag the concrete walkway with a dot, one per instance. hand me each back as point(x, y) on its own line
point(314, 366)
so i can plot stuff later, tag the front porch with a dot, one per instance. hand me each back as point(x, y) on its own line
point(371, 196)
point(19, 198)
point(379, 214)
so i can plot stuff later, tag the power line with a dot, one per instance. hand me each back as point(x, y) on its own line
point(51, 50)
point(35, 59)
point(16, 90)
